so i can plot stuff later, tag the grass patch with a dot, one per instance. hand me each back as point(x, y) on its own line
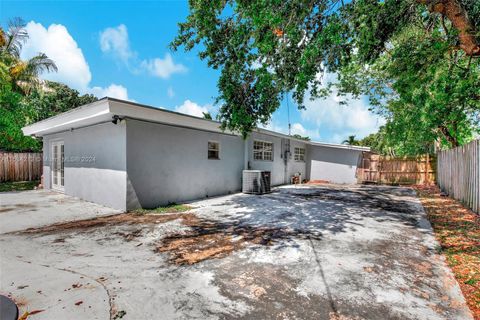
point(170, 208)
point(18, 186)
point(457, 228)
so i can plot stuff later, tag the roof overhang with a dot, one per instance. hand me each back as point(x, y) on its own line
point(79, 117)
point(339, 146)
point(104, 109)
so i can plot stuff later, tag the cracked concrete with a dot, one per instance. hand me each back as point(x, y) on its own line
point(329, 252)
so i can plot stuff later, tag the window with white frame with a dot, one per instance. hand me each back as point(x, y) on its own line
point(299, 154)
point(262, 150)
point(213, 150)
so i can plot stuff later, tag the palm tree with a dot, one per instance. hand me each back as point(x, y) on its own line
point(22, 75)
point(351, 141)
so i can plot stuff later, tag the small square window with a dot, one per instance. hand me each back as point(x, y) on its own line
point(262, 150)
point(213, 150)
point(299, 154)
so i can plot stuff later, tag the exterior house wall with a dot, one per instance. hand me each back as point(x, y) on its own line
point(95, 166)
point(294, 166)
point(169, 164)
point(332, 164)
point(277, 166)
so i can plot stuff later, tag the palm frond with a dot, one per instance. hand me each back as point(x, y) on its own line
point(15, 37)
point(3, 39)
point(39, 64)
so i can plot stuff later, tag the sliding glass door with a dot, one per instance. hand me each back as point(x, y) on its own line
point(58, 160)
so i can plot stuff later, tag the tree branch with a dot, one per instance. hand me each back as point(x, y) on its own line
point(453, 11)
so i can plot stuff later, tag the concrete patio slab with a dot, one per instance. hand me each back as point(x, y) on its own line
point(27, 209)
point(313, 252)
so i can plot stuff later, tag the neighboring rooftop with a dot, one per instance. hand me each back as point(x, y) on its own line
point(103, 110)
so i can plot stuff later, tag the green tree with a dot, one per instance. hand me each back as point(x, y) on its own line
point(18, 111)
point(297, 136)
point(265, 49)
point(351, 141)
point(23, 75)
point(207, 115)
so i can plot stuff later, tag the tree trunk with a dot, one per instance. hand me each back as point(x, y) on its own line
point(453, 11)
point(450, 138)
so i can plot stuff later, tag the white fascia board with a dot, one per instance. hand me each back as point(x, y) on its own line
point(89, 114)
point(163, 116)
point(339, 146)
point(313, 143)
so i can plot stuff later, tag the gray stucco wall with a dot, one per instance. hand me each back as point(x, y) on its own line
point(281, 174)
point(332, 164)
point(95, 163)
point(277, 166)
point(169, 164)
point(297, 166)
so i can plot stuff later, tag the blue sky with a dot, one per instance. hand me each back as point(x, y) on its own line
point(120, 49)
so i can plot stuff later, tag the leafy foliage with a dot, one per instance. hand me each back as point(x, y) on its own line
point(351, 141)
point(404, 54)
point(297, 136)
point(24, 98)
point(17, 111)
point(22, 75)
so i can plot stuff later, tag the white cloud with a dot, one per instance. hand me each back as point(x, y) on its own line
point(59, 46)
point(298, 128)
point(170, 92)
point(73, 70)
point(354, 118)
point(193, 109)
point(112, 91)
point(115, 41)
point(163, 68)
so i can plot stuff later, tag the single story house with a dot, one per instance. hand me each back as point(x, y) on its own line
point(126, 155)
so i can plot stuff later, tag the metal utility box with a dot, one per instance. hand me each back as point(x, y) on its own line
point(256, 181)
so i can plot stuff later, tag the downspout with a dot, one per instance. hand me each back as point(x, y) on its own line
point(245, 154)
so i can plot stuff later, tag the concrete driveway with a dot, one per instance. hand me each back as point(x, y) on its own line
point(324, 252)
point(27, 209)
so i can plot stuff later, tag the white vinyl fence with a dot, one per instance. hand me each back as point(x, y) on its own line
point(458, 174)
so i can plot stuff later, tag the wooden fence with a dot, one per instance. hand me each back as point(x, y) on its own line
point(459, 174)
point(375, 168)
point(22, 166)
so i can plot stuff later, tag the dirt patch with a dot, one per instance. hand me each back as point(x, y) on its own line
point(118, 219)
point(211, 239)
point(458, 230)
point(2, 210)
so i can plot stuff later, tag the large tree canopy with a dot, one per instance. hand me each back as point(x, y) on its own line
point(404, 54)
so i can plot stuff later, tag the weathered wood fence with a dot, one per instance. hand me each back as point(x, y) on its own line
point(459, 174)
point(22, 166)
point(375, 168)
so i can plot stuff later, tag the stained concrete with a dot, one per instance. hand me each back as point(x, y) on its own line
point(339, 252)
point(27, 209)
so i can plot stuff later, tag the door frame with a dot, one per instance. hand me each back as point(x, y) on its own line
point(57, 171)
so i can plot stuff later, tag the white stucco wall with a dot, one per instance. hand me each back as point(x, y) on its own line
point(281, 174)
point(276, 167)
point(169, 164)
point(95, 163)
point(297, 166)
point(332, 164)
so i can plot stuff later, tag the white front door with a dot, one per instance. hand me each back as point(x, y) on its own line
point(58, 165)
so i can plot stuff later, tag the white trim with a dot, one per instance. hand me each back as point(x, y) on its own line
point(263, 150)
point(103, 110)
point(58, 187)
point(303, 154)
